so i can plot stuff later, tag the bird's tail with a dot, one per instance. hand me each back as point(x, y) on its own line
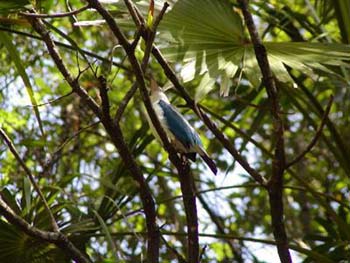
point(209, 162)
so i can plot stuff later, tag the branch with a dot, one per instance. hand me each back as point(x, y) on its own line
point(182, 167)
point(225, 142)
point(316, 137)
point(133, 89)
point(31, 178)
point(71, 13)
point(275, 184)
point(115, 133)
point(122, 105)
point(172, 249)
point(104, 98)
point(40, 28)
point(70, 47)
point(56, 153)
point(56, 238)
point(191, 103)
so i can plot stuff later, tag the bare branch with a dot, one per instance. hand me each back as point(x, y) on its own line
point(31, 178)
point(104, 98)
point(122, 105)
point(275, 184)
point(180, 258)
point(73, 82)
point(51, 101)
point(316, 136)
point(70, 47)
point(202, 252)
point(71, 13)
point(183, 168)
point(114, 132)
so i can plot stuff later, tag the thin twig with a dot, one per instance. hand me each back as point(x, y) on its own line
point(51, 101)
point(31, 178)
point(70, 47)
point(316, 136)
point(73, 82)
point(180, 258)
point(124, 102)
point(202, 252)
point(51, 161)
point(71, 13)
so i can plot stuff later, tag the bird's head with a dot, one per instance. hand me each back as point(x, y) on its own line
point(156, 92)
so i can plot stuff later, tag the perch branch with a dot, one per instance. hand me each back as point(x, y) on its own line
point(275, 184)
point(191, 103)
point(183, 168)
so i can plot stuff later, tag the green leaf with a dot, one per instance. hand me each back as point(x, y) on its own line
point(342, 9)
point(212, 40)
point(27, 193)
point(10, 200)
point(108, 235)
point(204, 87)
point(7, 41)
point(16, 246)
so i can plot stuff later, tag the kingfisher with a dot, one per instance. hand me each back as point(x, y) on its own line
point(180, 133)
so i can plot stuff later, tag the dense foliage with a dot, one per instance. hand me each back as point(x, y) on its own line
point(91, 191)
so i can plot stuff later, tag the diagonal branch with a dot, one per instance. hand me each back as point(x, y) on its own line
point(116, 135)
point(316, 136)
point(173, 250)
point(31, 178)
point(67, 46)
point(124, 102)
point(183, 167)
point(144, 63)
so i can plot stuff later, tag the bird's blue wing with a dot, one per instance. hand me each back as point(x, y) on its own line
point(178, 126)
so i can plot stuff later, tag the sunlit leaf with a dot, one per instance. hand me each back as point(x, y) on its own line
point(212, 40)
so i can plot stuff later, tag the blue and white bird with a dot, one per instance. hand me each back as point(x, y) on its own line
point(180, 133)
